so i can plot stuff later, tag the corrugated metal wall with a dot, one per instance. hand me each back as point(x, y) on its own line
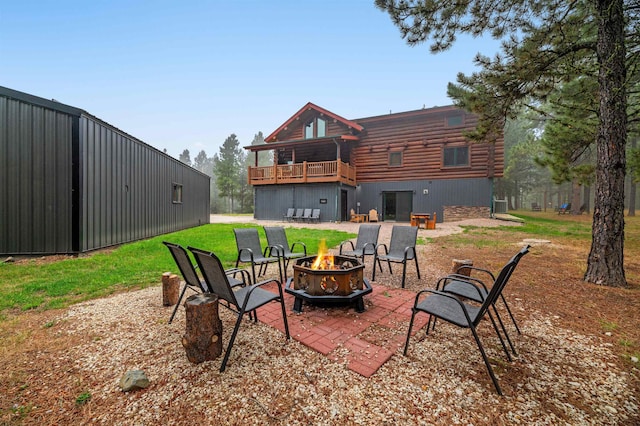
point(127, 189)
point(429, 195)
point(71, 183)
point(35, 179)
point(272, 201)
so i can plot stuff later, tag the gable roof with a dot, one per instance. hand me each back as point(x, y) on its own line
point(321, 111)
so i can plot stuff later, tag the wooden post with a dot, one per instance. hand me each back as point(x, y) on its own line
point(203, 336)
point(170, 289)
point(458, 266)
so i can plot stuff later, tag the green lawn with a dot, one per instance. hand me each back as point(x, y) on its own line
point(45, 285)
point(35, 284)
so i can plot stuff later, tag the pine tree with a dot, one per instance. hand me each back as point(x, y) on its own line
point(545, 44)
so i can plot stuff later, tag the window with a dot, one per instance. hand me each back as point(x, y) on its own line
point(176, 194)
point(456, 156)
point(317, 128)
point(308, 130)
point(322, 128)
point(454, 120)
point(395, 159)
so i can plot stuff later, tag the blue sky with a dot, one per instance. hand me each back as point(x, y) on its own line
point(187, 74)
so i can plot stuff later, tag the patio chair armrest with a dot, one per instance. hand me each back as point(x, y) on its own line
point(467, 278)
point(465, 281)
point(246, 276)
point(384, 246)
point(406, 252)
point(242, 250)
point(278, 249)
point(367, 245)
point(475, 268)
point(304, 246)
point(347, 242)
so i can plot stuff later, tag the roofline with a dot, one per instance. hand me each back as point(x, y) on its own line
point(309, 105)
point(283, 144)
point(78, 112)
point(413, 112)
point(42, 102)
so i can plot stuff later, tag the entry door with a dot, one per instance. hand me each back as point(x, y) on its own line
point(397, 205)
point(344, 206)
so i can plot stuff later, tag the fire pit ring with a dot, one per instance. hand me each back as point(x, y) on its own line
point(344, 284)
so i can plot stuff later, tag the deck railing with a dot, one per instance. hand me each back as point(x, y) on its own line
point(305, 172)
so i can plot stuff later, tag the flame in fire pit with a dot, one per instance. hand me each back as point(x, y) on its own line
point(324, 260)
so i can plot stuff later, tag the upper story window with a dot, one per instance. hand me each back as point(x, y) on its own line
point(176, 194)
point(455, 120)
point(317, 128)
point(455, 156)
point(395, 158)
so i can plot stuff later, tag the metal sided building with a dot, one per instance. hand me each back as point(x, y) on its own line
point(70, 182)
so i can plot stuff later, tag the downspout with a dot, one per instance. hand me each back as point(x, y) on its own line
point(336, 214)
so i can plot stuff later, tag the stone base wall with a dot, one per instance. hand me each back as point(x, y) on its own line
point(455, 213)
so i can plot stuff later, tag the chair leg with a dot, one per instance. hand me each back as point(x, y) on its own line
point(495, 327)
point(284, 318)
point(231, 340)
point(510, 314)
point(406, 343)
point(253, 271)
point(417, 267)
point(404, 272)
point(173, 314)
point(486, 360)
point(504, 330)
point(373, 274)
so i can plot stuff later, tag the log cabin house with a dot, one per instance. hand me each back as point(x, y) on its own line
point(414, 161)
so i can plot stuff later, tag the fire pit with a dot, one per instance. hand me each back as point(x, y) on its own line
point(328, 279)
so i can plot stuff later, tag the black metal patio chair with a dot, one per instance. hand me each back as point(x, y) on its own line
point(190, 275)
point(402, 249)
point(289, 215)
point(450, 308)
point(298, 216)
point(245, 300)
point(365, 243)
point(306, 215)
point(315, 216)
point(458, 284)
point(277, 240)
point(250, 251)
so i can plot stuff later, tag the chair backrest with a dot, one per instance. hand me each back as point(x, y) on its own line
point(373, 215)
point(290, 212)
point(185, 266)
point(367, 235)
point(307, 213)
point(299, 213)
point(501, 280)
point(214, 275)
point(315, 214)
point(247, 238)
point(276, 237)
point(401, 238)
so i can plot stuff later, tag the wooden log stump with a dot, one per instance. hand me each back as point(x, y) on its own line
point(458, 266)
point(203, 336)
point(170, 289)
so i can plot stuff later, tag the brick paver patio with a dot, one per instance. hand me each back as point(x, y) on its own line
point(363, 341)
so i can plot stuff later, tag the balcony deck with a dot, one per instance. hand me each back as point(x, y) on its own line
point(306, 172)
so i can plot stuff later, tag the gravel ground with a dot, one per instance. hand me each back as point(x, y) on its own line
point(560, 376)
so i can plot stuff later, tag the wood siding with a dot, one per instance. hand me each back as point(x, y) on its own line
point(421, 138)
